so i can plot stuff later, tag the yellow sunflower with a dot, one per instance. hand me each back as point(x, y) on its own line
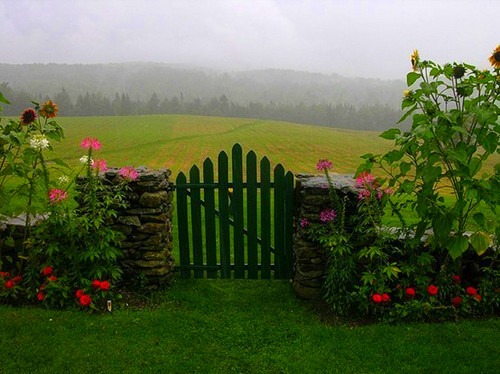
point(49, 109)
point(495, 58)
point(415, 58)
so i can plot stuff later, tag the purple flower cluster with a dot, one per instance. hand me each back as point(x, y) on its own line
point(327, 215)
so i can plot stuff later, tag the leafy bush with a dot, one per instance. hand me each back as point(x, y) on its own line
point(404, 275)
point(70, 250)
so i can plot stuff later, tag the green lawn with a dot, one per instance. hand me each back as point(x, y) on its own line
point(218, 326)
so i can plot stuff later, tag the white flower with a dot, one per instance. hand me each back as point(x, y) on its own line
point(63, 179)
point(84, 159)
point(39, 142)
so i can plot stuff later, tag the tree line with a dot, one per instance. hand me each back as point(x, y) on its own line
point(367, 117)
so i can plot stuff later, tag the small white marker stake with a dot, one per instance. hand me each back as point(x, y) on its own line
point(109, 306)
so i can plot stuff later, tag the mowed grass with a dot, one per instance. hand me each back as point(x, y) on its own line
point(244, 326)
point(177, 142)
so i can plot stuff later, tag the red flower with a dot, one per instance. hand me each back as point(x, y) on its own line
point(9, 284)
point(79, 293)
point(456, 279)
point(96, 284)
point(28, 116)
point(105, 285)
point(52, 278)
point(85, 300)
point(48, 271)
point(17, 279)
point(40, 296)
point(385, 298)
point(410, 292)
point(42, 286)
point(457, 300)
point(432, 289)
point(4, 275)
point(471, 291)
point(377, 298)
point(478, 297)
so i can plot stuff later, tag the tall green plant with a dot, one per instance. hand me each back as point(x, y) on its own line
point(455, 129)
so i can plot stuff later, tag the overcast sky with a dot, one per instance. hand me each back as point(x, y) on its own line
point(353, 38)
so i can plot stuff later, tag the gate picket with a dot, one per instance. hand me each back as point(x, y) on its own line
point(225, 246)
point(182, 217)
point(265, 218)
point(210, 232)
point(239, 235)
point(253, 257)
point(194, 177)
point(289, 206)
point(279, 227)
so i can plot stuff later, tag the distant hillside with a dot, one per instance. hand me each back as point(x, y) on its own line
point(140, 80)
point(147, 88)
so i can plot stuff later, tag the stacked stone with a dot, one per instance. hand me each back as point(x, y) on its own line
point(312, 197)
point(147, 225)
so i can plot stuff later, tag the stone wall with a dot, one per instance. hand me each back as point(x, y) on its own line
point(312, 198)
point(147, 224)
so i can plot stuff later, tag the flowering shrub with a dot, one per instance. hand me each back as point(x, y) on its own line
point(70, 247)
point(374, 272)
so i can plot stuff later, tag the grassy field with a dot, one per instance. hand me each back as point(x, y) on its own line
point(177, 142)
point(222, 326)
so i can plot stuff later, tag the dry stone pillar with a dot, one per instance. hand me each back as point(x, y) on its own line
point(147, 224)
point(312, 198)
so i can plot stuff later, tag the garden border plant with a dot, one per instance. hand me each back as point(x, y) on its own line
point(447, 272)
point(71, 256)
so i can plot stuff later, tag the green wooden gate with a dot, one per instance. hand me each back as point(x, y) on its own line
point(246, 226)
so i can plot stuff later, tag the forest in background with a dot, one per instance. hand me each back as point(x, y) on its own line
point(150, 88)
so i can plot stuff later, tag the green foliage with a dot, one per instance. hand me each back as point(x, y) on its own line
point(393, 276)
point(76, 244)
point(455, 131)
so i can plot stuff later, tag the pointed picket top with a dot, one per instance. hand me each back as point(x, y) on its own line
point(207, 163)
point(181, 178)
point(279, 169)
point(195, 170)
point(237, 147)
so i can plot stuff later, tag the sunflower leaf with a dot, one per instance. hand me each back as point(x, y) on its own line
point(411, 78)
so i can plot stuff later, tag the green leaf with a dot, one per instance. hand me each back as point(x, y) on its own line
point(411, 77)
point(490, 142)
point(3, 99)
point(407, 114)
point(457, 246)
point(9, 241)
point(479, 218)
point(60, 162)
point(404, 167)
point(475, 166)
point(480, 242)
point(390, 134)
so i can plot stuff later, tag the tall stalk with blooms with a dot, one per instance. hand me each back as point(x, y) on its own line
point(455, 132)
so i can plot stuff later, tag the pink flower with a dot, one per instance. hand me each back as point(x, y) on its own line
point(363, 194)
point(365, 179)
point(327, 215)
point(324, 164)
point(90, 143)
point(100, 165)
point(56, 195)
point(304, 222)
point(128, 173)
